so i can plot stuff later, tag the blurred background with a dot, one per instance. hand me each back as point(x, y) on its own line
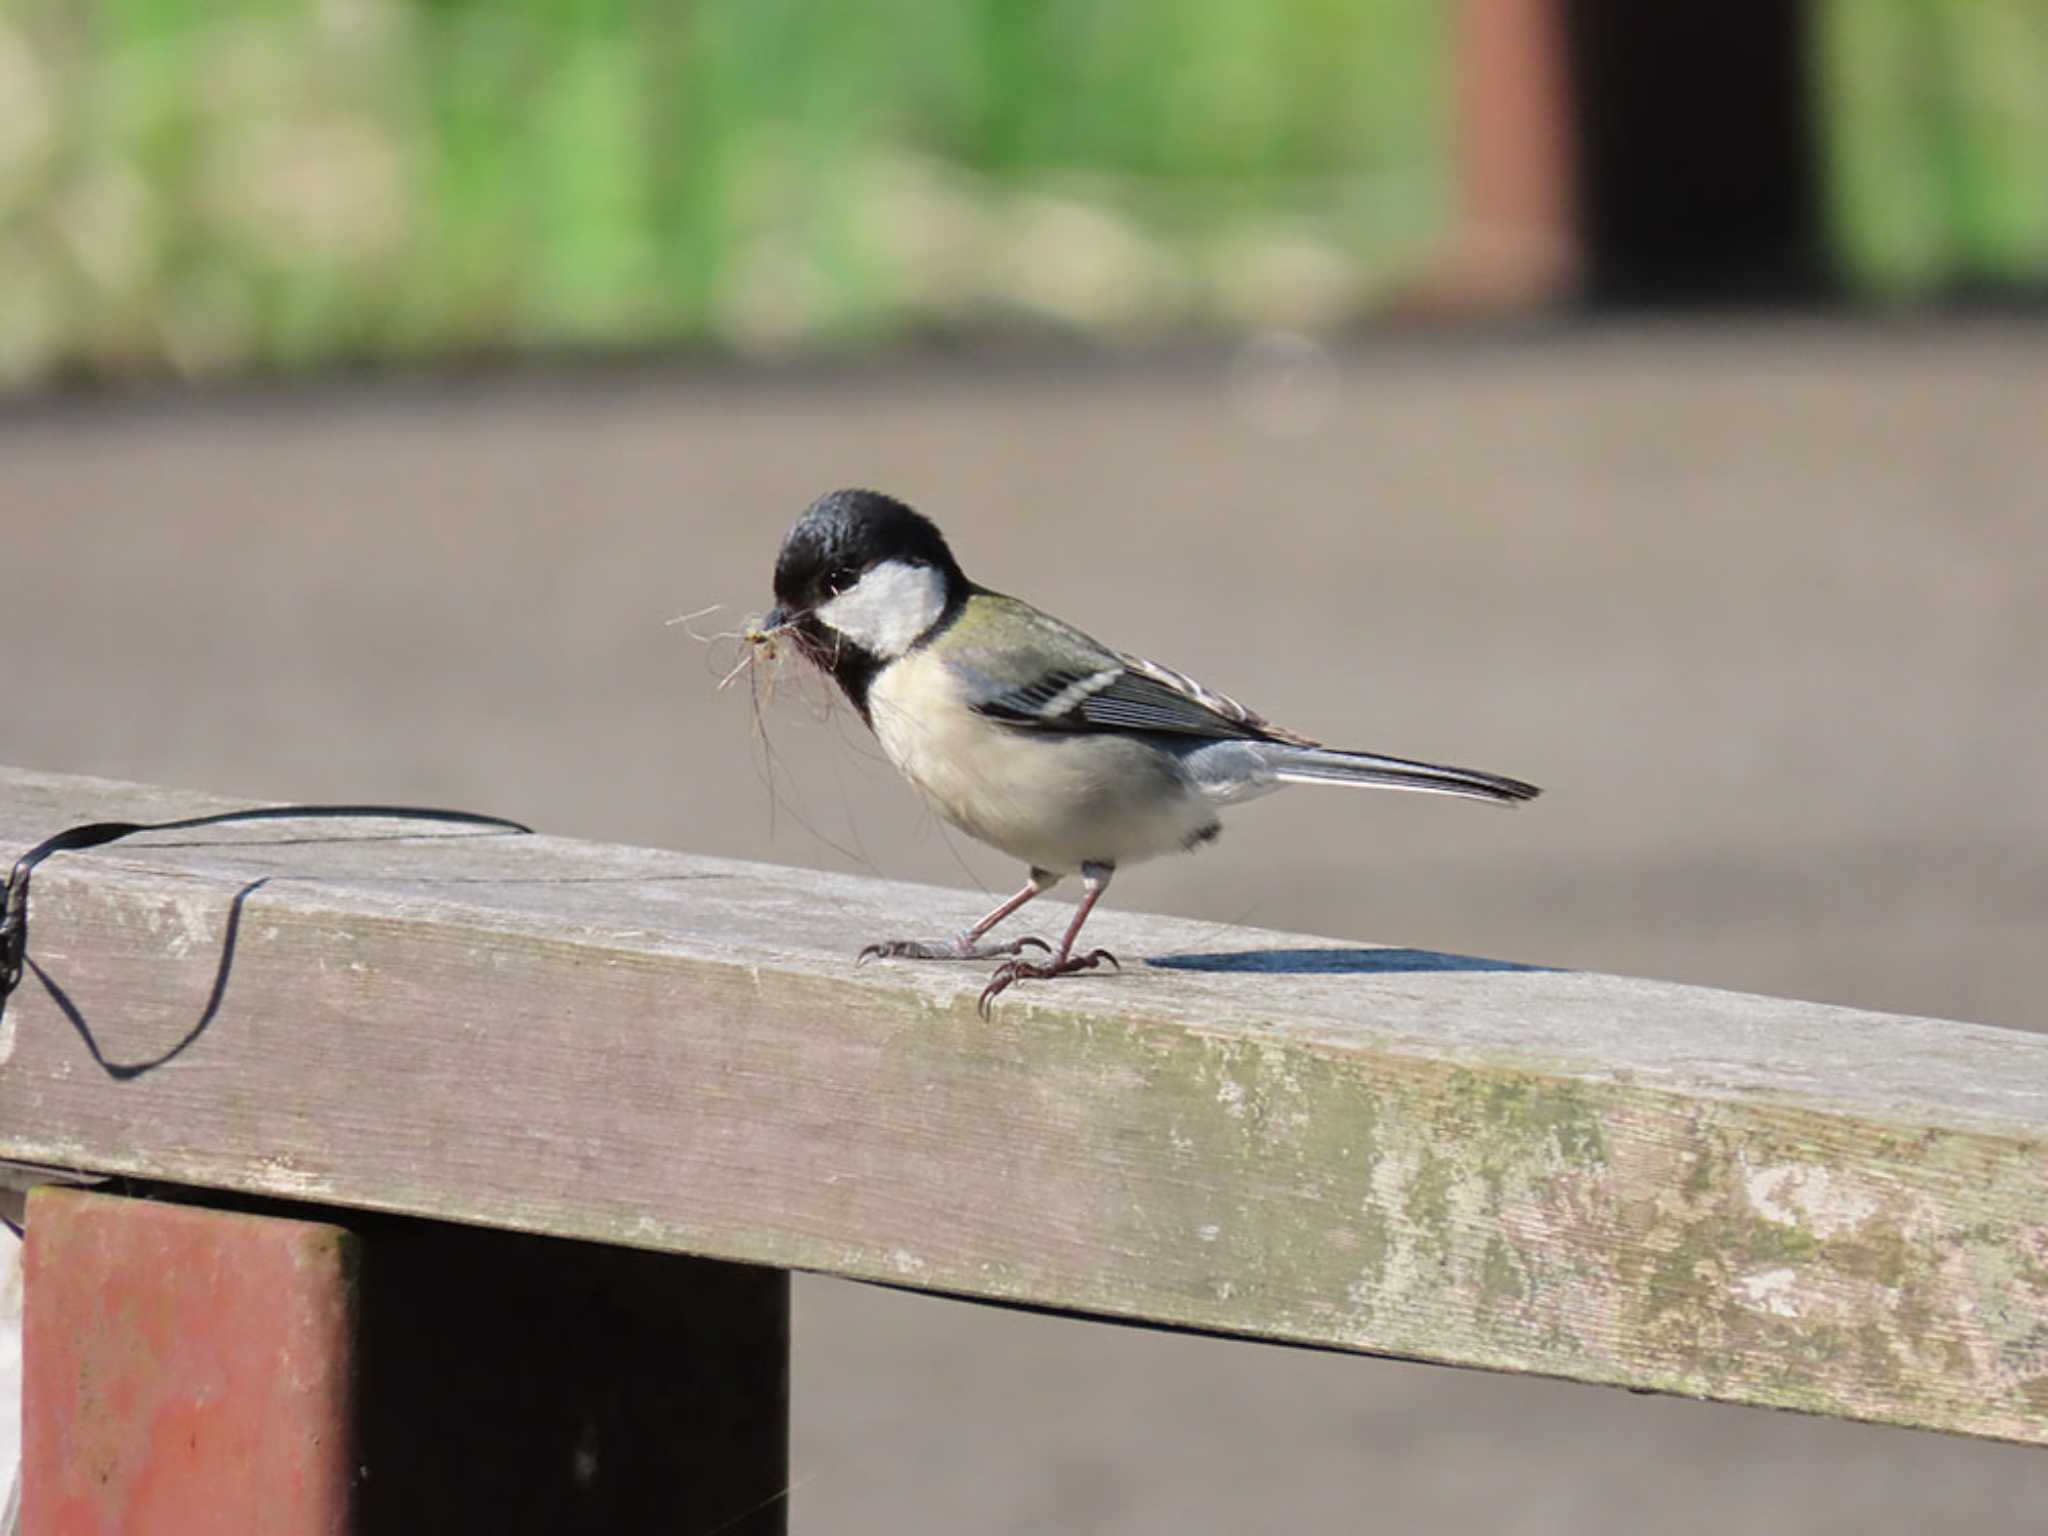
point(1646, 401)
point(205, 189)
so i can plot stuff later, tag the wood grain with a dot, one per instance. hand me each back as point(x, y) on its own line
point(1612, 1180)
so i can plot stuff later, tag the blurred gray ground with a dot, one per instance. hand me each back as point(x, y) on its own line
point(1764, 606)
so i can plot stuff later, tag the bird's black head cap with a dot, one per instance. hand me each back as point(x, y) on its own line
point(845, 533)
point(842, 536)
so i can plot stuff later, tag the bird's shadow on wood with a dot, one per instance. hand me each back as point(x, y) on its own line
point(1333, 962)
point(123, 1071)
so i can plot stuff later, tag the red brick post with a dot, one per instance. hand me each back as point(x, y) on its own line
point(196, 1370)
point(1518, 240)
point(184, 1370)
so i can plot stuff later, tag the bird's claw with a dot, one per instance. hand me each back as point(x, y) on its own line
point(1011, 972)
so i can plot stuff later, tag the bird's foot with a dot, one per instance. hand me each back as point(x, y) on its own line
point(1010, 972)
point(962, 948)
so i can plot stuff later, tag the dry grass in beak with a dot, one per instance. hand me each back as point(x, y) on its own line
point(743, 646)
point(733, 653)
point(742, 652)
point(761, 642)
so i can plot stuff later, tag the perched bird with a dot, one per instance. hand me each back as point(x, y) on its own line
point(1026, 733)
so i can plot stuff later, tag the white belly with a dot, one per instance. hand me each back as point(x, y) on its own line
point(1056, 801)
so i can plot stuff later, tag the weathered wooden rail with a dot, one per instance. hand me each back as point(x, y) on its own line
point(1381, 1150)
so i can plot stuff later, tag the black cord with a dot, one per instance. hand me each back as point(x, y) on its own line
point(14, 899)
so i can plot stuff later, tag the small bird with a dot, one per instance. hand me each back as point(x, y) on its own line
point(1027, 734)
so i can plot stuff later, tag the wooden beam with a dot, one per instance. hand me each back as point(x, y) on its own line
point(1252, 1133)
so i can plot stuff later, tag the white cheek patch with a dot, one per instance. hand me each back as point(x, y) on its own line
point(888, 610)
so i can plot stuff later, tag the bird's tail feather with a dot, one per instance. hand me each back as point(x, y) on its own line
point(1326, 765)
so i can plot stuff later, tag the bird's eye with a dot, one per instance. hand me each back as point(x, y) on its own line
point(839, 578)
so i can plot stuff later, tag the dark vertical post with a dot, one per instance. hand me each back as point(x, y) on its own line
point(516, 1383)
point(196, 1369)
point(1695, 130)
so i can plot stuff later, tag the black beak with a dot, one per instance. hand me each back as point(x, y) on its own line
point(774, 619)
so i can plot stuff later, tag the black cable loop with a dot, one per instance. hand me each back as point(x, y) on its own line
point(95, 834)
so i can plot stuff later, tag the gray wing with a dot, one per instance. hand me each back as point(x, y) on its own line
point(1128, 693)
point(1028, 669)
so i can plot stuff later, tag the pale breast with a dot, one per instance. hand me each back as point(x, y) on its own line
point(1055, 800)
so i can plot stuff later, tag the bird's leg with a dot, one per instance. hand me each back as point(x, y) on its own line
point(968, 945)
point(1095, 880)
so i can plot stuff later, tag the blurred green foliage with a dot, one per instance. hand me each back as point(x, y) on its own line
point(209, 184)
point(1936, 141)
